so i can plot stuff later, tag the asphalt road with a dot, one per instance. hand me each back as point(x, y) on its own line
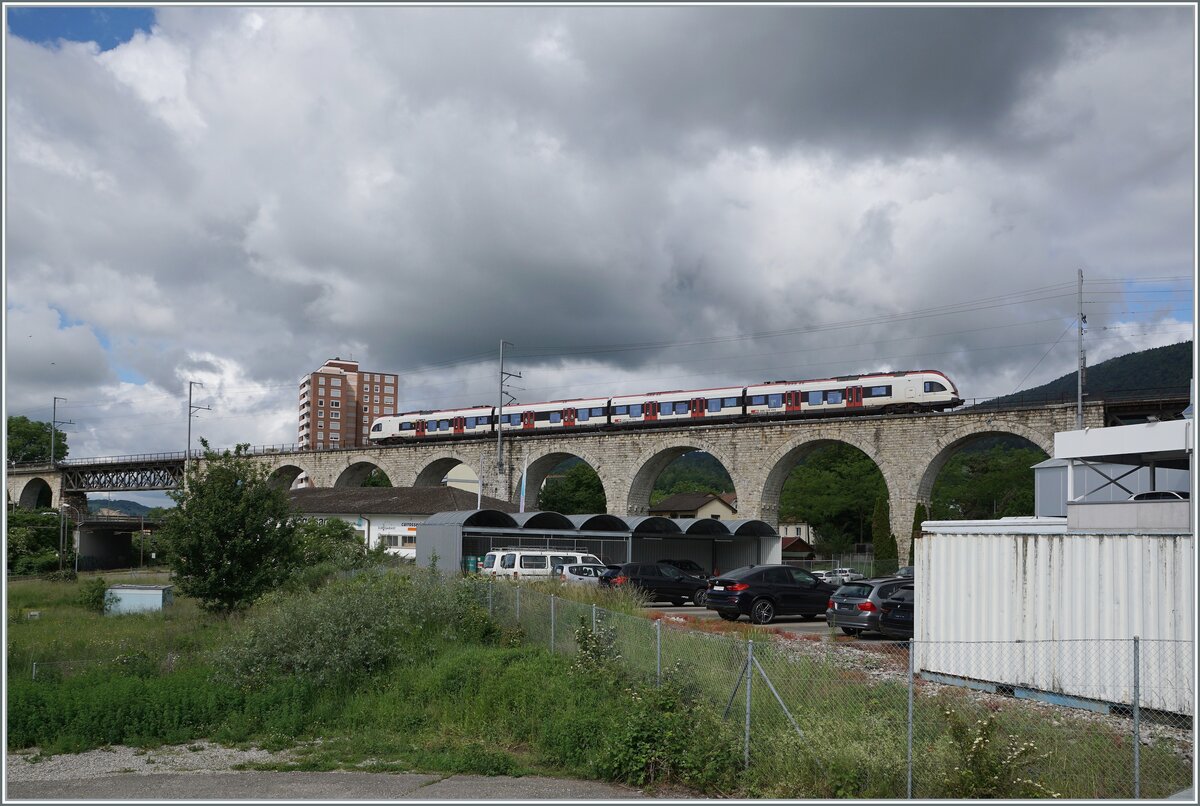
point(320, 786)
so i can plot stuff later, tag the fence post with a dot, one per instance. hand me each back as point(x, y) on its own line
point(35, 670)
point(593, 618)
point(518, 605)
point(552, 624)
point(658, 652)
point(910, 718)
point(490, 583)
point(1137, 719)
point(749, 680)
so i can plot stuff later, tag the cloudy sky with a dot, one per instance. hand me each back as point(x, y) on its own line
point(636, 198)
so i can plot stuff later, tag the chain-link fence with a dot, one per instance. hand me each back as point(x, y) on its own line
point(825, 716)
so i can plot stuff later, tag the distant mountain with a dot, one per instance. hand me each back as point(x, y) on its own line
point(1157, 372)
point(120, 507)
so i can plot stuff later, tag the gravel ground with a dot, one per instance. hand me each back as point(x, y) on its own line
point(204, 771)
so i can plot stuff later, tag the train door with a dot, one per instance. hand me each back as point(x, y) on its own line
point(458, 424)
point(568, 417)
point(854, 397)
point(650, 410)
point(420, 424)
point(697, 406)
point(527, 419)
point(792, 400)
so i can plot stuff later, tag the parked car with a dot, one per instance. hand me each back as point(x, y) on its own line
point(688, 567)
point(579, 574)
point(821, 575)
point(660, 582)
point(520, 563)
point(763, 592)
point(855, 606)
point(905, 571)
point(1161, 495)
point(896, 613)
point(840, 576)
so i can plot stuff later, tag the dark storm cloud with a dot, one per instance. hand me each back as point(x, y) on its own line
point(629, 195)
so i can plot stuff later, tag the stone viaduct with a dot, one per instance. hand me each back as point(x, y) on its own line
point(909, 450)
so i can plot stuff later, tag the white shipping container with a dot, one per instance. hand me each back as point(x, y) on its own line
point(1074, 601)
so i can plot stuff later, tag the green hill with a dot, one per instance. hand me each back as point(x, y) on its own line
point(117, 507)
point(1157, 372)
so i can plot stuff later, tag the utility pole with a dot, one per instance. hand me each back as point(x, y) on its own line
point(499, 418)
point(54, 424)
point(1082, 361)
point(192, 409)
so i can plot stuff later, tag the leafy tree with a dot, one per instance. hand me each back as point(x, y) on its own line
point(377, 478)
point(883, 542)
point(231, 536)
point(577, 492)
point(994, 483)
point(31, 546)
point(695, 472)
point(29, 441)
point(335, 541)
point(834, 491)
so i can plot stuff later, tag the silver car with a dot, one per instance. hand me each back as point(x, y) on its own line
point(585, 574)
point(857, 605)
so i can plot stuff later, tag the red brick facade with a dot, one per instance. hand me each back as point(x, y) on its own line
point(338, 403)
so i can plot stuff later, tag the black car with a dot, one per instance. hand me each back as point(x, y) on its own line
point(763, 592)
point(660, 582)
point(896, 614)
point(690, 567)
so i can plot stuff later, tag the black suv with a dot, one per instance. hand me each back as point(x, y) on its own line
point(689, 567)
point(763, 592)
point(660, 582)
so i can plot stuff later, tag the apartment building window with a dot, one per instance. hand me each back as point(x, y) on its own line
point(321, 414)
point(335, 392)
point(388, 410)
point(366, 409)
point(367, 420)
point(376, 387)
point(335, 415)
point(335, 404)
point(376, 409)
point(389, 390)
point(321, 381)
point(320, 426)
point(335, 381)
point(387, 399)
point(334, 438)
point(320, 403)
point(376, 398)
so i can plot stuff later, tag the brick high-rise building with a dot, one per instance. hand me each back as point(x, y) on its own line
point(338, 403)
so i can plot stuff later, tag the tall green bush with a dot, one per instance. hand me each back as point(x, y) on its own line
point(883, 542)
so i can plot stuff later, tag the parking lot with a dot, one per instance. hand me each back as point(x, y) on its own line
point(784, 623)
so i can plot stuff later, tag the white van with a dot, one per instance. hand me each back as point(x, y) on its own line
point(519, 563)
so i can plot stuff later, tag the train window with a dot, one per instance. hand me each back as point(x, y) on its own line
point(878, 391)
point(664, 408)
point(813, 398)
point(620, 409)
point(774, 401)
point(635, 410)
point(443, 425)
point(729, 402)
point(582, 415)
point(714, 404)
point(403, 426)
point(934, 386)
point(379, 426)
point(598, 411)
point(556, 416)
point(758, 400)
point(681, 407)
point(833, 396)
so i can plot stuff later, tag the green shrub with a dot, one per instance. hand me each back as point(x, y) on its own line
point(94, 596)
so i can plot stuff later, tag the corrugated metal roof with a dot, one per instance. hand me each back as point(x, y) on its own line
point(472, 517)
point(390, 500)
point(702, 526)
point(543, 520)
point(598, 523)
point(652, 524)
point(750, 527)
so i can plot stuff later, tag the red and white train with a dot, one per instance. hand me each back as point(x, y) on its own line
point(880, 393)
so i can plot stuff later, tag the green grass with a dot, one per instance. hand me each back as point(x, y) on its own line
point(465, 695)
